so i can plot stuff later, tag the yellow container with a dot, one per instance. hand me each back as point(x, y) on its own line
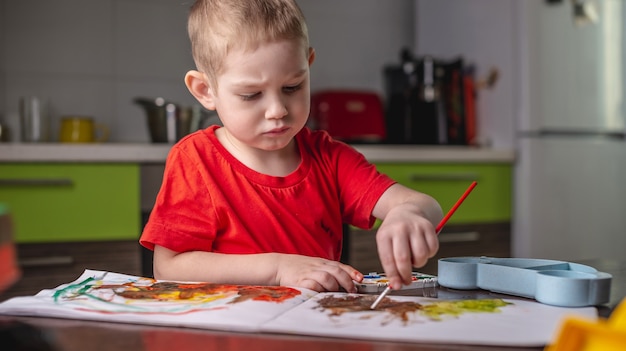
point(77, 129)
point(577, 334)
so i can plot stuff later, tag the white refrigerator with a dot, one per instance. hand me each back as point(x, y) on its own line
point(570, 172)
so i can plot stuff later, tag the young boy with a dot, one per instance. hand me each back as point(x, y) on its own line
point(262, 199)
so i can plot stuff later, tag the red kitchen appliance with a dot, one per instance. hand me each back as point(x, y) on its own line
point(349, 115)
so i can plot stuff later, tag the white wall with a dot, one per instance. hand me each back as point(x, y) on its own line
point(483, 32)
point(354, 39)
point(92, 57)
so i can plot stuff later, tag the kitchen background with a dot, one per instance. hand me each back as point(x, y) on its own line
point(92, 57)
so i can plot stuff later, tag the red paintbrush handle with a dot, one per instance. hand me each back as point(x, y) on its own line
point(456, 205)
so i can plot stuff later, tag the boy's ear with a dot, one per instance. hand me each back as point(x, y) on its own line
point(198, 86)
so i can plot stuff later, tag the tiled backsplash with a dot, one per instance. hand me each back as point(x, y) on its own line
point(92, 57)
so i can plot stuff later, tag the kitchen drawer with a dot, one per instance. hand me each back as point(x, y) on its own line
point(72, 202)
point(49, 265)
point(490, 201)
point(491, 239)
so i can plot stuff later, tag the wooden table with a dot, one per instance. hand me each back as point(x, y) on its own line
point(70, 335)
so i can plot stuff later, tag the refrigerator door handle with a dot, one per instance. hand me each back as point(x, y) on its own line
point(613, 135)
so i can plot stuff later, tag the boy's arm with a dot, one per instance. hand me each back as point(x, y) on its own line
point(406, 238)
point(255, 269)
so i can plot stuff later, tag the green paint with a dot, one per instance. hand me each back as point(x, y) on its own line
point(74, 289)
point(455, 308)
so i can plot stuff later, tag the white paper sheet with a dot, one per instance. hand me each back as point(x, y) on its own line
point(104, 296)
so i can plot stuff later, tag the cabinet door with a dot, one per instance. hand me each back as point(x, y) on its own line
point(489, 202)
point(72, 202)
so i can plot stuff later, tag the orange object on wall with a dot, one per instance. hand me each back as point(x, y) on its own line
point(9, 270)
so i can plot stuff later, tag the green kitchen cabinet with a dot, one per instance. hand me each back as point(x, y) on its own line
point(481, 226)
point(71, 202)
point(68, 217)
point(490, 201)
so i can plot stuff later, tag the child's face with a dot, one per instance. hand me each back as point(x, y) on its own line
point(263, 95)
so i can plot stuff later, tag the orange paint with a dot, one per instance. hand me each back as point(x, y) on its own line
point(170, 291)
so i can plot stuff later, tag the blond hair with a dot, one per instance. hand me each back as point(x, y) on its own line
point(217, 26)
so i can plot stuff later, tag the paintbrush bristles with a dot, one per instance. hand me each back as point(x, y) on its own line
point(381, 297)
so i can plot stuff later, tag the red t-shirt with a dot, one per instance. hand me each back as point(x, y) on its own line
point(209, 201)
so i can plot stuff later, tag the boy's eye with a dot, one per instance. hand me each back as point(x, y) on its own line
point(292, 89)
point(248, 97)
point(287, 90)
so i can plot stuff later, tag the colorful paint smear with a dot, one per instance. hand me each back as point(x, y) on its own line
point(148, 295)
point(402, 310)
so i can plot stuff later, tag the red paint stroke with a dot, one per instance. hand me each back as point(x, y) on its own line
point(172, 291)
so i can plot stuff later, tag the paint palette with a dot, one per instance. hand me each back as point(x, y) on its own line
point(550, 282)
point(377, 282)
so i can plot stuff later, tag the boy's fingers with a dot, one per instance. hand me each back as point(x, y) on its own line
point(387, 261)
point(346, 277)
point(393, 274)
point(312, 285)
point(403, 261)
point(353, 275)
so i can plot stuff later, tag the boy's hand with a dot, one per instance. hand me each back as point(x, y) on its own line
point(405, 240)
point(316, 273)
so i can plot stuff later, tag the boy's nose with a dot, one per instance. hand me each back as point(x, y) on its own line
point(276, 109)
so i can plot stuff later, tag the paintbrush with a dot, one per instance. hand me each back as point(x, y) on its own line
point(381, 297)
point(437, 230)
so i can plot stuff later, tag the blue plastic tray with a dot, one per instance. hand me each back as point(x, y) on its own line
point(551, 282)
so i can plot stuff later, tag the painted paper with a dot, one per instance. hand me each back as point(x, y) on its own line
point(113, 297)
point(107, 296)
